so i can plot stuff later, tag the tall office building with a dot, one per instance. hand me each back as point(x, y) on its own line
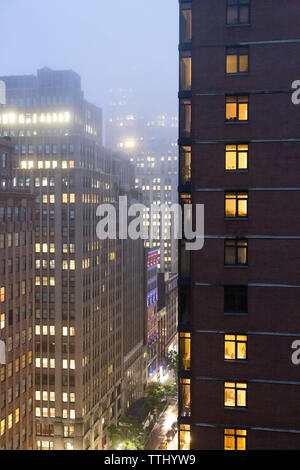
point(81, 299)
point(17, 415)
point(239, 156)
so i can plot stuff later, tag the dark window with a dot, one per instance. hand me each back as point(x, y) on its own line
point(236, 253)
point(236, 299)
point(237, 60)
point(238, 12)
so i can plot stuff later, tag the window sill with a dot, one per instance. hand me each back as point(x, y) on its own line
point(237, 25)
point(235, 218)
point(236, 408)
point(236, 122)
point(236, 171)
point(236, 361)
point(238, 74)
point(233, 314)
point(236, 266)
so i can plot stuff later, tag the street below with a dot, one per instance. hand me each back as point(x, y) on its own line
point(163, 425)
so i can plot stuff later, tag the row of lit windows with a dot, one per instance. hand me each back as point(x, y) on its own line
point(20, 363)
point(50, 413)
point(40, 164)
point(34, 118)
point(10, 420)
point(45, 330)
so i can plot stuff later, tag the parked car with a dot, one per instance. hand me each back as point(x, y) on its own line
point(175, 426)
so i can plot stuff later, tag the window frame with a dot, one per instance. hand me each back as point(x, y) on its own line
point(233, 432)
point(236, 246)
point(238, 5)
point(236, 217)
point(239, 289)
point(237, 387)
point(237, 152)
point(236, 342)
point(237, 120)
point(238, 54)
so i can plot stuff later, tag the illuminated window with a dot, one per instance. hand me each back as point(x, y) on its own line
point(235, 439)
point(185, 351)
point(236, 204)
point(186, 23)
point(10, 421)
point(2, 294)
point(236, 157)
point(185, 397)
point(235, 347)
point(236, 252)
point(237, 59)
point(17, 415)
point(235, 394)
point(2, 321)
point(2, 427)
point(237, 108)
point(185, 72)
point(238, 12)
point(185, 436)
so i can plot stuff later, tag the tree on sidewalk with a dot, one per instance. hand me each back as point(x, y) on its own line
point(129, 434)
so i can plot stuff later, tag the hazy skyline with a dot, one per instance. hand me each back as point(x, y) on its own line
point(112, 44)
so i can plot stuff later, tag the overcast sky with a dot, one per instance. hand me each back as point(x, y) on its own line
point(110, 43)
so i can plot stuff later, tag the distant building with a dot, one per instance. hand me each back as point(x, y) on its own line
point(17, 368)
point(152, 325)
point(168, 309)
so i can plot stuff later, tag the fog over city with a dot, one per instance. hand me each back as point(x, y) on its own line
point(111, 44)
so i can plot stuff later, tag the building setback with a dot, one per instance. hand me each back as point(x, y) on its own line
point(240, 295)
point(16, 310)
point(81, 298)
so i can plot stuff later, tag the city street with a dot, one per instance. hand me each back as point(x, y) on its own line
point(163, 425)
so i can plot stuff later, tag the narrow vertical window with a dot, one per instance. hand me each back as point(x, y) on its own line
point(186, 23)
point(185, 72)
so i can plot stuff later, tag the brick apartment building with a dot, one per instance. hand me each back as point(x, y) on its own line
point(240, 295)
